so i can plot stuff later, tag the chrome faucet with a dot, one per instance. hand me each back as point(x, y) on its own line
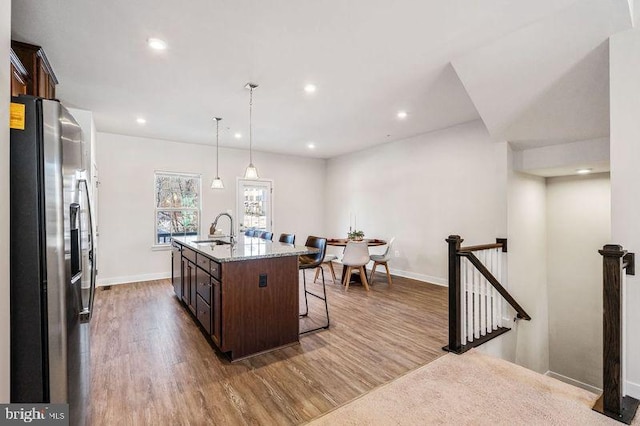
point(232, 236)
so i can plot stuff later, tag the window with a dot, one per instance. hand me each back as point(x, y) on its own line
point(254, 204)
point(177, 201)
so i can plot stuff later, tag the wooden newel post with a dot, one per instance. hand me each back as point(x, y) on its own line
point(455, 323)
point(613, 403)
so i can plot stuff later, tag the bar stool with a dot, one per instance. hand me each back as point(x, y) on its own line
point(249, 232)
point(288, 239)
point(267, 236)
point(312, 261)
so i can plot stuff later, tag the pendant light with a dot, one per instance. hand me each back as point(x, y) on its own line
point(251, 172)
point(217, 182)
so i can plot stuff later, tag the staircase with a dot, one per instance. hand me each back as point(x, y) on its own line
point(476, 297)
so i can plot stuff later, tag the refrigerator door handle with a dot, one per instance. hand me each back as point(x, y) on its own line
point(76, 232)
point(86, 312)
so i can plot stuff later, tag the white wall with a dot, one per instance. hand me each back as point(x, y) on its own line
point(527, 281)
point(421, 190)
point(564, 159)
point(126, 205)
point(5, 42)
point(455, 180)
point(624, 50)
point(578, 224)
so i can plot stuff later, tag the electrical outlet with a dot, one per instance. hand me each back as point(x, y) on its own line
point(262, 281)
point(397, 253)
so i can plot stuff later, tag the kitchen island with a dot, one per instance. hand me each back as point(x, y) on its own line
point(243, 295)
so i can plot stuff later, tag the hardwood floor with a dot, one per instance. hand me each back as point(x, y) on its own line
point(151, 364)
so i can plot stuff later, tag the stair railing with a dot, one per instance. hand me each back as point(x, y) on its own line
point(476, 295)
point(616, 265)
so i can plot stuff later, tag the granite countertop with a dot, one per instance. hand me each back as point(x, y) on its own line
point(245, 248)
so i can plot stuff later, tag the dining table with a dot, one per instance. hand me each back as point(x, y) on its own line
point(342, 242)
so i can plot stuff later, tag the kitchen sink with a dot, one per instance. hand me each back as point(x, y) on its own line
point(216, 242)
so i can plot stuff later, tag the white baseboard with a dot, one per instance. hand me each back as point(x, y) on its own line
point(573, 382)
point(633, 389)
point(413, 275)
point(133, 278)
point(162, 275)
point(420, 277)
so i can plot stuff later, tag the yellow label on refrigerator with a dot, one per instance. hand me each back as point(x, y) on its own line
point(16, 116)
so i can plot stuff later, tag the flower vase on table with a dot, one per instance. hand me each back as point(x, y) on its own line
point(355, 235)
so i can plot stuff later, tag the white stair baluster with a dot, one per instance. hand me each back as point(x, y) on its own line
point(469, 301)
point(494, 293)
point(490, 258)
point(499, 300)
point(488, 291)
point(463, 301)
point(476, 303)
point(483, 296)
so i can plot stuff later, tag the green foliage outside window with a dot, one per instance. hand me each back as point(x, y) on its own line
point(177, 199)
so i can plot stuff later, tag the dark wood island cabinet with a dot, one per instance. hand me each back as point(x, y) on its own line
point(244, 295)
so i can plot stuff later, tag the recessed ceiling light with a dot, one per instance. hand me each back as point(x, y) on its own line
point(583, 171)
point(311, 145)
point(238, 135)
point(157, 44)
point(310, 88)
point(141, 120)
point(402, 114)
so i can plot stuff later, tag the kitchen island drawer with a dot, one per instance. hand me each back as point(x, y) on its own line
point(203, 313)
point(189, 254)
point(204, 288)
point(203, 262)
point(214, 270)
point(203, 285)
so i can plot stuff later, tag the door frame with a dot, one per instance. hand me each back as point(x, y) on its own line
point(240, 181)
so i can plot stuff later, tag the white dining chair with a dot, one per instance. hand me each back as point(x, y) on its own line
point(356, 255)
point(328, 260)
point(382, 259)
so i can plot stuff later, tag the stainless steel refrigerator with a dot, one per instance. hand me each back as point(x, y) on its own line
point(52, 257)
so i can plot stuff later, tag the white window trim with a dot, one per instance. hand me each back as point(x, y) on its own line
point(167, 246)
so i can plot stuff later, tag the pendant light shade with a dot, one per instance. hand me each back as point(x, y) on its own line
point(217, 182)
point(251, 172)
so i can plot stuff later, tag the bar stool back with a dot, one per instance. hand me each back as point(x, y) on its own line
point(312, 261)
point(288, 238)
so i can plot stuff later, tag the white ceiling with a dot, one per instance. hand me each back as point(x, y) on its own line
point(368, 58)
point(547, 83)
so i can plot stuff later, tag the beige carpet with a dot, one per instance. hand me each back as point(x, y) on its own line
point(471, 389)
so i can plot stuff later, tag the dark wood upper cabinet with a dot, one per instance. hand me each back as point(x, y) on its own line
point(19, 76)
point(31, 72)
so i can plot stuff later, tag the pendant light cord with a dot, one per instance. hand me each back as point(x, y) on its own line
point(250, 126)
point(217, 149)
